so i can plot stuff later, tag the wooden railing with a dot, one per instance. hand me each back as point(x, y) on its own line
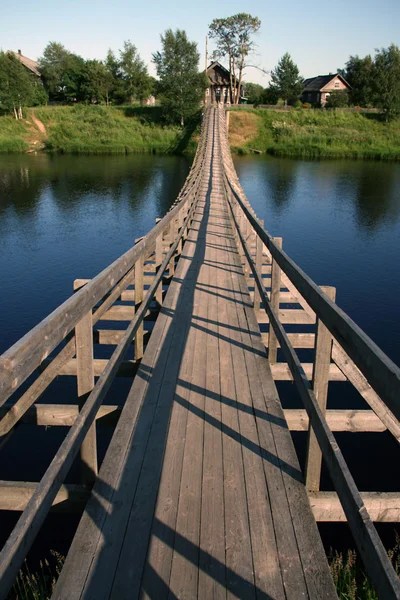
point(69, 332)
point(375, 375)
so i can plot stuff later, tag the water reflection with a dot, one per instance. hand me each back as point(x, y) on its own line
point(63, 217)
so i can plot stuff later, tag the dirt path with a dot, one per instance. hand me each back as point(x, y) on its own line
point(39, 124)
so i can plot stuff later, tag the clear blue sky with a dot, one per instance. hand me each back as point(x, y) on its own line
point(320, 36)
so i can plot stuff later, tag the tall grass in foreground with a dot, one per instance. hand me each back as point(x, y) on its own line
point(347, 572)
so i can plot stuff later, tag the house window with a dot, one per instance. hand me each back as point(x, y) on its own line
point(207, 92)
point(337, 84)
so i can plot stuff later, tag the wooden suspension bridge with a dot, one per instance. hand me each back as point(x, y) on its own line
point(200, 493)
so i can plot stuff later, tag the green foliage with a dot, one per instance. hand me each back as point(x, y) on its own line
point(312, 133)
point(270, 96)
point(254, 93)
point(180, 86)
point(286, 80)
point(386, 80)
point(18, 87)
point(233, 39)
point(136, 81)
point(358, 73)
point(62, 73)
point(12, 135)
point(85, 129)
point(96, 82)
point(337, 99)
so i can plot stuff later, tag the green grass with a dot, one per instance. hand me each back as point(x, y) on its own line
point(84, 129)
point(99, 130)
point(12, 135)
point(308, 133)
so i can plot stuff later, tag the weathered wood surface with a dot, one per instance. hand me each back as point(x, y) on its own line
point(200, 493)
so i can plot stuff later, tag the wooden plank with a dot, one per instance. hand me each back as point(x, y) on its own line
point(270, 576)
point(353, 421)
point(320, 382)
point(64, 415)
point(184, 567)
point(281, 372)
point(383, 507)
point(313, 560)
point(120, 471)
point(161, 549)
point(298, 340)
point(288, 316)
point(15, 495)
point(212, 579)
point(85, 384)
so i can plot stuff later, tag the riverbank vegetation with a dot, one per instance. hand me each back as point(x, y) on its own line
point(308, 133)
point(83, 129)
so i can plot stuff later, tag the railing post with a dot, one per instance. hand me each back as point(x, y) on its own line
point(172, 236)
point(259, 250)
point(179, 226)
point(275, 297)
point(138, 301)
point(320, 383)
point(85, 381)
point(159, 255)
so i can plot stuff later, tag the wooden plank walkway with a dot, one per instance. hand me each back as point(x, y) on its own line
point(200, 494)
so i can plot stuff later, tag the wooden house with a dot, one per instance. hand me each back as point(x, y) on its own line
point(219, 90)
point(317, 89)
point(29, 64)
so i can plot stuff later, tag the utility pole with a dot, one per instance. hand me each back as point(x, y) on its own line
point(205, 99)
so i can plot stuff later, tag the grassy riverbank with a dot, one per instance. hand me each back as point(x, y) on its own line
point(84, 129)
point(308, 133)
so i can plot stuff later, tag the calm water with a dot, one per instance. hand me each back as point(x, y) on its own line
point(67, 217)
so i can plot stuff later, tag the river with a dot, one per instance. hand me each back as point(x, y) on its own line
point(67, 217)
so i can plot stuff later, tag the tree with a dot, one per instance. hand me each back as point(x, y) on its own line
point(286, 80)
point(270, 96)
point(96, 82)
point(134, 73)
point(232, 36)
point(17, 86)
point(386, 81)
point(254, 93)
point(337, 99)
point(181, 86)
point(358, 73)
point(62, 73)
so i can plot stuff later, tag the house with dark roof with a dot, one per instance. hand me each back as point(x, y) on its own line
point(28, 63)
point(219, 89)
point(317, 89)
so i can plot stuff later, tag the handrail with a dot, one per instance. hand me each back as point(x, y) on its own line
point(17, 363)
point(371, 549)
point(29, 523)
point(379, 370)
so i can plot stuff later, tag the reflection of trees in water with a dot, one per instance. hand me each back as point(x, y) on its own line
point(377, 197)
point(280, 179)
point(20, 185)
point(129, 179)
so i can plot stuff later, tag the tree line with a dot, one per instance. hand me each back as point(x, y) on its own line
point(374, 83)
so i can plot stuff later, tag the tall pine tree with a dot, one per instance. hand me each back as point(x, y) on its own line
point(286, 80)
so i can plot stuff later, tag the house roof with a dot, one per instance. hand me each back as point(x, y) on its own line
point(218, 74)
point(315, 84)
point(30, 64)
